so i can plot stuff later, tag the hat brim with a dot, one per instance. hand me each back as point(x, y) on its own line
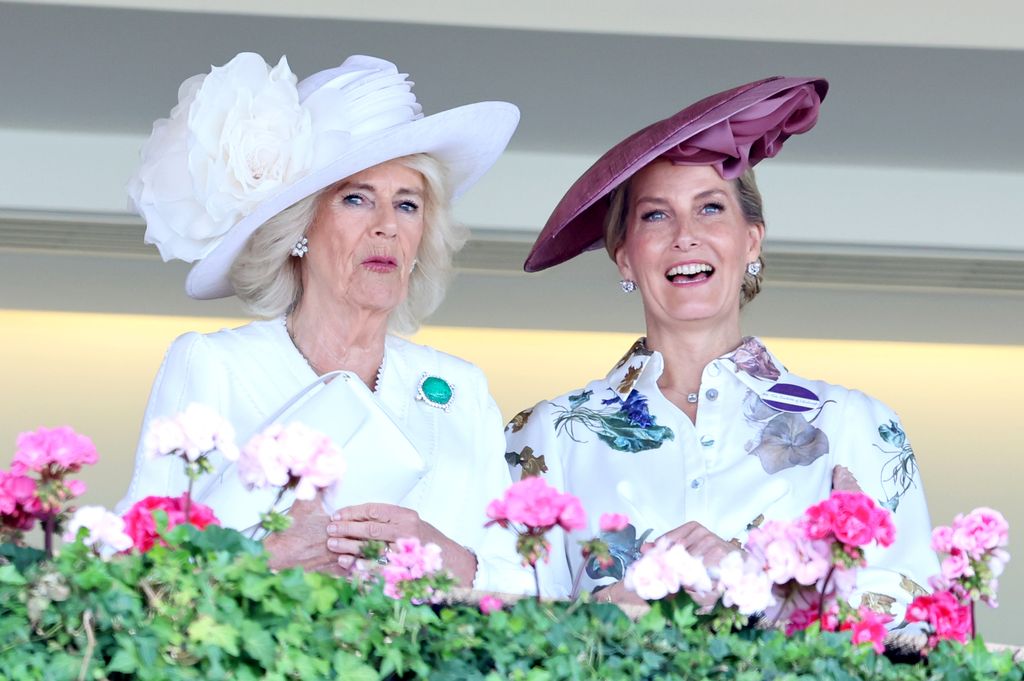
point(467, 140)
point(577, 222)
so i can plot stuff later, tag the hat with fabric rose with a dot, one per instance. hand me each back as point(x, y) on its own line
point(731, 131)
point(248, 140)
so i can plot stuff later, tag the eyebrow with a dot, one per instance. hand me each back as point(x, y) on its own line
point(702, 195)
point(370, 188)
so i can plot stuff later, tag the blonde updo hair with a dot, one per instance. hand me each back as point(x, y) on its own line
point(267, 279)
point(751, 203)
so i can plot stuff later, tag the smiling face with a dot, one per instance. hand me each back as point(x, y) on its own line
point(687, 244)
point(364, 238)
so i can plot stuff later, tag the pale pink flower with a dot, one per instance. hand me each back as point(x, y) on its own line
point(45, 447)
point(490, 603)
point(192, 433)
point(981, 530)
point(744, 584)
point(106, 530)
point(665, 569)
point(613, 522)
point(785, 552)
point(293, 453)
point(75, 487)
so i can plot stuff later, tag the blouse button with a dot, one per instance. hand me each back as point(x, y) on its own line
point(711, 394)
point(697, 483)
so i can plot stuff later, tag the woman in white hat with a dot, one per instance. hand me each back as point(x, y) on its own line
point(324, 206)
point(699, 433)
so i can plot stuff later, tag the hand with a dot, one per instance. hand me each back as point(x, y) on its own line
point(352, 526)
point(302, 544)
point(701, 542)
point(618, 593)
point(843, 480)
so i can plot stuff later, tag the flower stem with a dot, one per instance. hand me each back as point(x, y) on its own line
point(824, 590)
point(48, 527)
point(974, 634)
point(536, 580)
point(574, 594)
point(188, 502)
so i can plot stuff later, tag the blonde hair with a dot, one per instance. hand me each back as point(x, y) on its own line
point(751, 203)
point(267, 279)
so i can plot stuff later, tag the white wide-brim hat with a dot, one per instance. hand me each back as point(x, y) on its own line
point(245, 142)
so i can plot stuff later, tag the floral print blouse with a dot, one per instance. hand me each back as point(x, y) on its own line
point(763, 446)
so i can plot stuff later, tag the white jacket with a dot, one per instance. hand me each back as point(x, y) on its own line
point(246, 374)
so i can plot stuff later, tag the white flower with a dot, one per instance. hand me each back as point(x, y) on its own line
point(744, 584)
point(665, 569)
point(237, 136)
point(106, 530)
point(193, 433)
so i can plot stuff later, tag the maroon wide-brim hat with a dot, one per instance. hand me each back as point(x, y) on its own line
point(731, 131)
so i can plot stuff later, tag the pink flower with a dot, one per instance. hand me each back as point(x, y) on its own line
point(665, 569)
point(291, 454)
point(532, 502)
point(981, 530)
point(19, 504)
point(613, 522)
point(62, 447)
point(950, 619)
point(744, 584)
point(105, 530)
point(191, 434)
point(851, 518)
point(409, 560)
point(75, 487)
point(786, 552)
point(869, 627)
point(141, 526)
point(490, 603)
point(802, 618)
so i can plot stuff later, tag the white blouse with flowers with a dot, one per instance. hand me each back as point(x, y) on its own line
point(763, 446)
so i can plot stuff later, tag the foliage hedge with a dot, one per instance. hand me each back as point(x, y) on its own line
point(208, 607)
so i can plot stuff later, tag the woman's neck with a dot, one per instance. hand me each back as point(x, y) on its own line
point(339, 338)
point(688, 347)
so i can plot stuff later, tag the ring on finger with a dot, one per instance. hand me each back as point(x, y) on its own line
point(382, 559)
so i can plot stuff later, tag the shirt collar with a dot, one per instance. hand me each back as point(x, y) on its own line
point(751, 362)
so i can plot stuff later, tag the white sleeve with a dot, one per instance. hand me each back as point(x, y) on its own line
point(189, 373)
point(879, 455)
point(533, 450)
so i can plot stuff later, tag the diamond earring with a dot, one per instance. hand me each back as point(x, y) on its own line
point(301, 248)
point(754, 268)
point(628, 285)
point(413, 268)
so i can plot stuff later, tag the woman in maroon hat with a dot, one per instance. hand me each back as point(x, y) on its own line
point(699, 433)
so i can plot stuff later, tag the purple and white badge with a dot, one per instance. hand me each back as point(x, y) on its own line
point(789, 397)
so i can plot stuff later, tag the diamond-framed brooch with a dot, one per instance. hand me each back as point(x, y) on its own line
point(435, 391)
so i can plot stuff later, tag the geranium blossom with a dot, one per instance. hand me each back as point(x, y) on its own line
point(744, 584)
point(786, 552)
point(44, 449)
point(291, 454)
point(665, 569)
point(868, 627)
point(192, 433)
point(106, 530)
point(19, 504)
point(852, 518)
point(490, 603)
point(948, 616)
point(141, 526)
point(409, 560)
point(532, 502)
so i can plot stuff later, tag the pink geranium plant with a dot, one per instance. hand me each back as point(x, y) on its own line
point(413, 570)
point(537, 507)
point(975, 545)
point(37, 486)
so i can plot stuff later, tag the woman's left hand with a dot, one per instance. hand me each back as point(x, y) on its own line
point(701, 542)
point(351, 527)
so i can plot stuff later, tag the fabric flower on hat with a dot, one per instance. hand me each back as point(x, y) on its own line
point(236, 136)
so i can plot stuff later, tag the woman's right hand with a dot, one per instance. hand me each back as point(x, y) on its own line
point(304, 543)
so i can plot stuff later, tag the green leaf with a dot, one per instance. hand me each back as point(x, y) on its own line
point(9, 575)
point(22, 556)
point(124, 661)
point(351, 668)
point(258, 643)
point(206, 630)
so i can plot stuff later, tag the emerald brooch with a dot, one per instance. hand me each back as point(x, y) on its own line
point(435, 391)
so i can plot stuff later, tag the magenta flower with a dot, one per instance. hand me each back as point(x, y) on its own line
point(947, 617)
point(851, 518)
point(47, 449)
point(19, 503)
point(613, 522)
point(294, 454)
point(869, 627)
point(490, 603)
